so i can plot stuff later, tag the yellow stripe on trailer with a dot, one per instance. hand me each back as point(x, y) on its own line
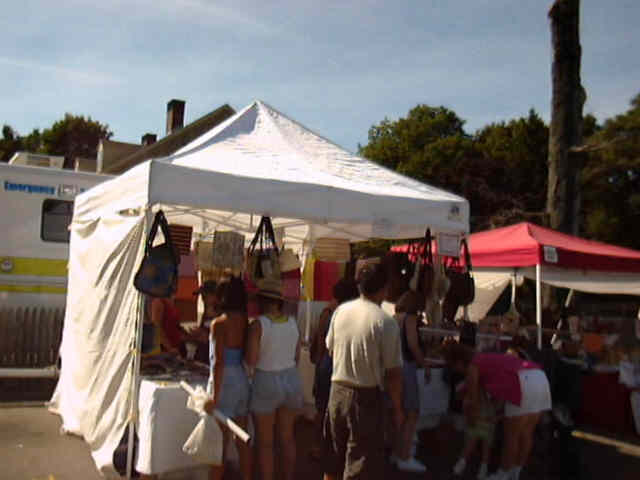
point(38, 267)
point(33, 289)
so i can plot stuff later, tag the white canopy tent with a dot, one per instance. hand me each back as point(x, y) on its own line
point(259, 162)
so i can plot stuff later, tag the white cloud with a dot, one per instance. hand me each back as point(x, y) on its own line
point(68, 74)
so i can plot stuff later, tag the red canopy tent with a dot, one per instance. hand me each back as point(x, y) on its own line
point(527, 245)
point(561, 260)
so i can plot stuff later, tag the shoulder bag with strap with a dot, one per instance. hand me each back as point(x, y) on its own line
point(158, 272)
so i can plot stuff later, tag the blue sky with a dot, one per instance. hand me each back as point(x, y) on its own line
point(337, 67)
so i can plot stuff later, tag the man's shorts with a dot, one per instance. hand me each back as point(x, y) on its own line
point(354, 433)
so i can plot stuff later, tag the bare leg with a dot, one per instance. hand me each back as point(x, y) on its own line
point(264, 430)
point(511, 445)
point(469, 447)
point(526, 438)
point(405, 435)
point(486, 451)
point(285, 421)
point(244, 452)
point(216, 472)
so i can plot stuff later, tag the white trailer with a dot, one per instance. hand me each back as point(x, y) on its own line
point(36, 207)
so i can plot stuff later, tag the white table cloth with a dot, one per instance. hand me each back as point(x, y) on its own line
point(164, 424)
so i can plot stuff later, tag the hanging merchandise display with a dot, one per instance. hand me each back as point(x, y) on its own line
point(263, 263)
point(228, 250)
point(158, 272)
point(332, 249)
point(439, 289)
point(462, 289)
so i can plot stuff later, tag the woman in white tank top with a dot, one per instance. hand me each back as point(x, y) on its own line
point(273, 346)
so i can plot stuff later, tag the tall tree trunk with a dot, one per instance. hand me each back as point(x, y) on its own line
point(565, 131)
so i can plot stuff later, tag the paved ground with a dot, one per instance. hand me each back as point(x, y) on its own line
point(31, 448)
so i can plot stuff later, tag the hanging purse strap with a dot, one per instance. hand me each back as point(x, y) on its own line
point(428, 256)
point(160, 221)
point(257, 237)
point(467, 254)
point(264, 235)
point(271, 236)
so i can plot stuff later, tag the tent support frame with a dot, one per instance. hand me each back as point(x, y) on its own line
point(137, 354)
point(539, 304)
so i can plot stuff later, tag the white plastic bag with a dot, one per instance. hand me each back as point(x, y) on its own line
point(205, 441)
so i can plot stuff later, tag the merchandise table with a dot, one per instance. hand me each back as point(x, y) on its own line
point(606, 402)
point(164, 424)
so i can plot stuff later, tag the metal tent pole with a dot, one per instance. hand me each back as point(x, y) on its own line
point(133, 411)
point(539, 304)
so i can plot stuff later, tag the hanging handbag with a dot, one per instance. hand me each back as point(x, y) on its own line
point(400, 270)
point(158, 272)
point(263, 263)
point(462, 289)
point(422, 279)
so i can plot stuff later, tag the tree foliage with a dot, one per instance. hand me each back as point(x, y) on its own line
point(500, 170)
point(71, 137)
point(611, 180)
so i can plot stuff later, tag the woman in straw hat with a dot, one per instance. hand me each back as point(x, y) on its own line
point(273, 347)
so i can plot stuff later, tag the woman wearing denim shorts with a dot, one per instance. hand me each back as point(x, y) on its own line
point(276, 395)
point(228, 382)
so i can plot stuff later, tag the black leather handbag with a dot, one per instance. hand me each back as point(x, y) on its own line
point(462, 288)
point(158, 272)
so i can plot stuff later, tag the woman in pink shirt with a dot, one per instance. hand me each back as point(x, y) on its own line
point(522, 385)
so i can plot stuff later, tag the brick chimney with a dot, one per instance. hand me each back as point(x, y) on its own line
point(175, 115)
point(148, 139)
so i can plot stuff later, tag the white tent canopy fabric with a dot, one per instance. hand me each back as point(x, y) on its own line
point(259, 162)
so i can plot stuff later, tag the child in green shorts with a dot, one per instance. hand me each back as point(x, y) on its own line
point(479, 430)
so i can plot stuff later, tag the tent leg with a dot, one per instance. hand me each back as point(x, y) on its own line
point(137, 354)
point(133, 414)
point(539, 304)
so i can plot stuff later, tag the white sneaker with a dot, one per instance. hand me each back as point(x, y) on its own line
point(499, 475)
point(412, 465)
point(482, 473)
point(458, 468)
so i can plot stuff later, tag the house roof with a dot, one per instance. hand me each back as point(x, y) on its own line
point(169, 144)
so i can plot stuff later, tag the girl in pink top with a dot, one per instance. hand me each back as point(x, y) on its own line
point(523, 387)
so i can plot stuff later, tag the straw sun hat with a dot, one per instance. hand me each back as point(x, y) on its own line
point(270, 288)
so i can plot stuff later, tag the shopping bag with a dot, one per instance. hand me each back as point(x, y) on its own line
point(228, 250)
point(263, 263)
point(205, 441)
point(158, 272)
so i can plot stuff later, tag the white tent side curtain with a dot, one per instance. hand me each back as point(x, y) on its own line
point(93, 395)
point(588, 281)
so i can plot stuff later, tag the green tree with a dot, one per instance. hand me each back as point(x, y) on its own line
point(518, 149)
point(74, 136)
point(501, 170)
point(392, 144)
point(611, 180)
point(9, 143)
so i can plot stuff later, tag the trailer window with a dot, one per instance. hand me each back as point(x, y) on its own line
point(56, 218)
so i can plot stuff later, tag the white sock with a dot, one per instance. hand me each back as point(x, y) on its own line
point(516, 473)
point(459, 467)
point(500, 474)
point(482, 473)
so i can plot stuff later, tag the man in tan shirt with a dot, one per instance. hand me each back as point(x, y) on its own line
point(364, 343)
